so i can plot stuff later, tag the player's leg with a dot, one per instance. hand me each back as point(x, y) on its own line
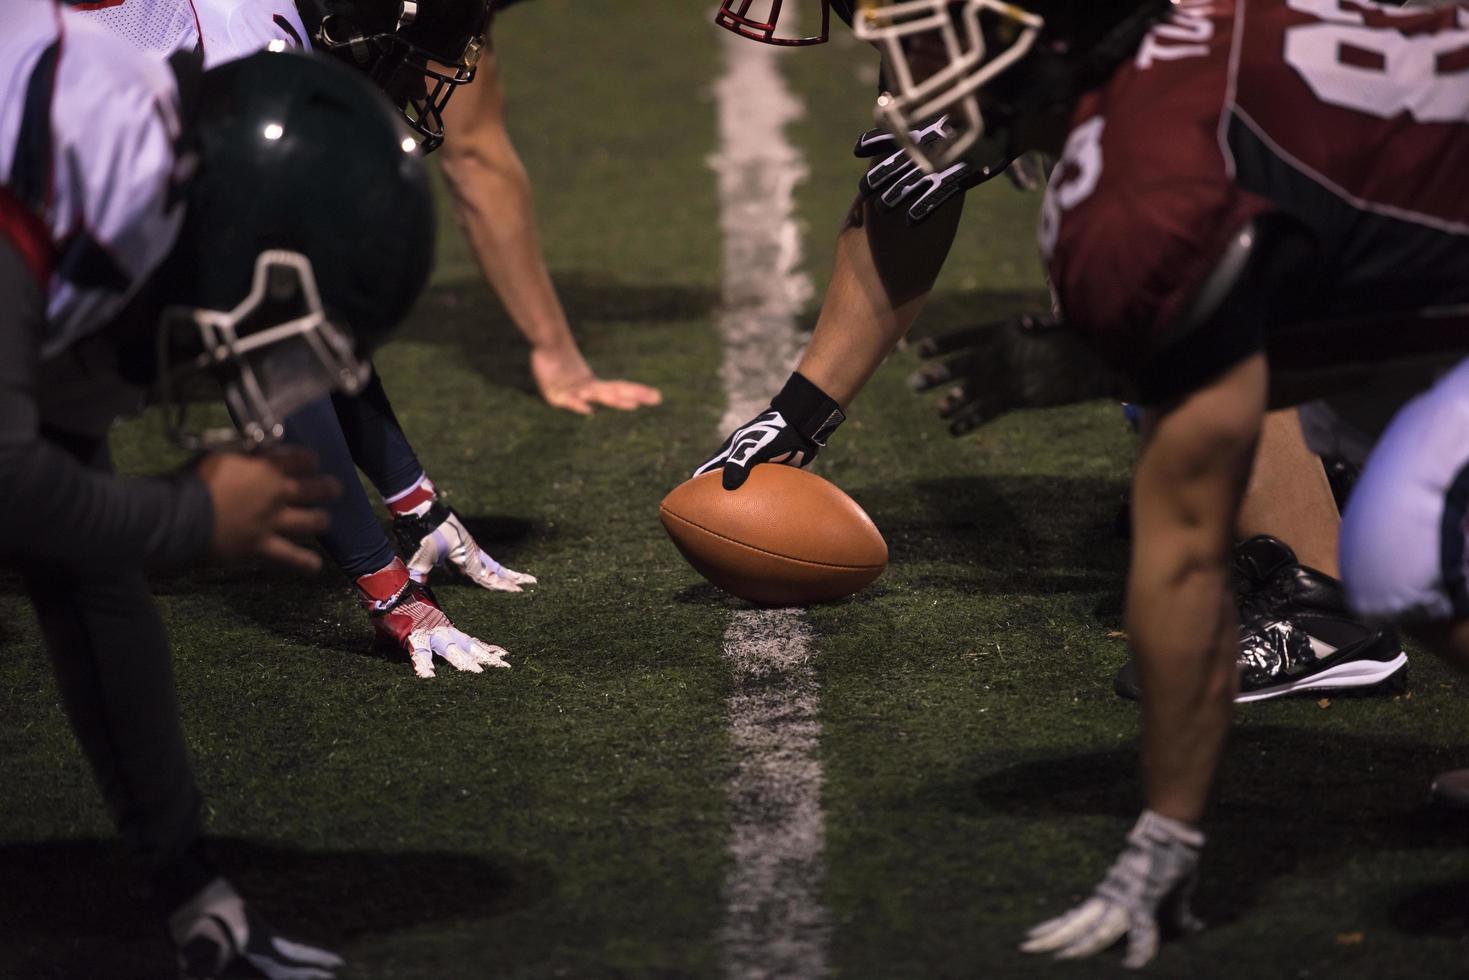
point(1190, 478)
point(1289, 496)
point(429, 533)
point(356, 542)
point(111, 659)
point(112, 662)
point(1297, 630)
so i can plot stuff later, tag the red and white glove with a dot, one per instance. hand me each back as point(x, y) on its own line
point(404, 613)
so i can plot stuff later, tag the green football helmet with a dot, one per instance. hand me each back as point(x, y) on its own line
point(308, 234)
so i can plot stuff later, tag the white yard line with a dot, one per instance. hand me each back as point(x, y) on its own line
point(775, 922)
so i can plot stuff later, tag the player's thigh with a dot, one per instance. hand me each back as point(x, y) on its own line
point(1403, 544)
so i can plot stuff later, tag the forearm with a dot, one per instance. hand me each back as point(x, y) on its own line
point(55, 511)
point(1181, 623)
point(883, 274)
point(493, 203)
point(1182, 628)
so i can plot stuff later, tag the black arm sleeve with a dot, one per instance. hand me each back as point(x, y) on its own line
point(56, 511)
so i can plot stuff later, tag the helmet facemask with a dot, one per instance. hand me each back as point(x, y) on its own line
point(418, 79)
point(274, 353)
point(759, 20)
point(939, 55)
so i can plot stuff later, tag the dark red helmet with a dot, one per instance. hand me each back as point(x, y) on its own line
point(763, 23)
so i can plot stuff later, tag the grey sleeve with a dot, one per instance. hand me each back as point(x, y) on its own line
point(54, 508)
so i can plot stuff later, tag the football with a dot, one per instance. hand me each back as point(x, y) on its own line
point(785, 538)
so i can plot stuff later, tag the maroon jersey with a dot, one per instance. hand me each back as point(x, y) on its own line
point(1349, 117)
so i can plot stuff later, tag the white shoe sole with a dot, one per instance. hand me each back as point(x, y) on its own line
point(1353, 673)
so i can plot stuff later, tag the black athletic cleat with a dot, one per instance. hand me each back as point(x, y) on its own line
point(1296, 632)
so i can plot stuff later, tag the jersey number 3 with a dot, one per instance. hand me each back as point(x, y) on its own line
point(1380, 71)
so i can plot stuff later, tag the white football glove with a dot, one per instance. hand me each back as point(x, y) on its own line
point(439, 537)
point(1151, 884)
point(217, 935)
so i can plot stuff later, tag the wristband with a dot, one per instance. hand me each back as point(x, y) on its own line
point(807, 409)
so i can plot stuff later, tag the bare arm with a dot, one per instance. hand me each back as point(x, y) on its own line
point(493, 204)
point(883, 274)
point(1190, 481)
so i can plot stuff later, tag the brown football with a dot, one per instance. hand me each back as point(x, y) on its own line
point(785, 538)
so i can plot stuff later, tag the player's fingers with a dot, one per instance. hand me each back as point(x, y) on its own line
point(1061, 931)
point(571, 401)
point(874, 142)
point(981, 337)
point(519, 578)
point(938, 373)
point(307, 955)
point(883, 174)
point(637, 395)
point(496, 582)
point(1104, 932)
point(458, 657)
point(735, 476)
point(611, 396)
point(286, 553)
point(646, 394)
point(1142, 943)
point(490, 655)
point(977, 410)
point(421, 655)
point(903, 185)
point(302, 522)
point(713, 463)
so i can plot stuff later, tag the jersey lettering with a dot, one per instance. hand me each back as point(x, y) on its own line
point(1185, 34)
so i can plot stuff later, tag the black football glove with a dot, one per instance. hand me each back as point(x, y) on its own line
point(897, 183)
point(1028, 362)
point(795, 427)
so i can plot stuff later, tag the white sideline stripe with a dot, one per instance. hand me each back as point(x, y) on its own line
point(775, 923)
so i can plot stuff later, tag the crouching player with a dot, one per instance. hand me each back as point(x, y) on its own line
point(129, 257)
point(1297, 632)
point(420, 59)
point(1294, 229)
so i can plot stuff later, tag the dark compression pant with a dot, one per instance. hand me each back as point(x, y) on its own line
point(351, 432)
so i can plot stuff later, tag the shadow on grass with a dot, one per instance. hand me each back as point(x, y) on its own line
point(956, 308)
point(468, 318)
point(321, 610)
point(1285, 800)
point(74, 909)
point(1007, 535)
point(1440, 909)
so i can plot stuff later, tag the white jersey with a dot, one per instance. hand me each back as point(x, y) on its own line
point(225, 29)
point(88, 127)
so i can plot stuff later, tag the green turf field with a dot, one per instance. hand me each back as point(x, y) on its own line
point(568, 818)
